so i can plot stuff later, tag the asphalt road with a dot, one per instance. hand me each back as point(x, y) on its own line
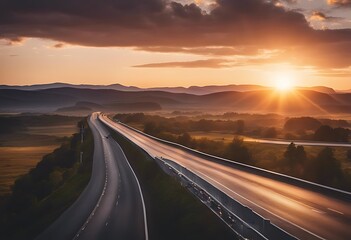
point(111, 206)
point(303, 213)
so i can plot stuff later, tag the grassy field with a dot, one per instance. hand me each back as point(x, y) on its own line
point(15, 161)
point(58, 130)
point(22, 150)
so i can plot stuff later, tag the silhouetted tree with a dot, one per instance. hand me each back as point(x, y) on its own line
point(185, 139)
point(295, 158)
point(326, 168)
point(270, 133)
point(327, 133)
point(237, 151)
point(348, 154)
point(240, 126)
point(150, 128)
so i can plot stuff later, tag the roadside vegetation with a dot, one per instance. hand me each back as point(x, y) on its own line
point(172, 211)
point(25, 139)
point(41, 195)
point(317, 164)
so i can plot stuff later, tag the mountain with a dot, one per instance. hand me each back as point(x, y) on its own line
point(118, 87)
point(260, 101)
point(196, 90)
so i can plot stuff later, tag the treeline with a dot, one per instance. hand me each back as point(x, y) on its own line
point(179, 125)
point(307, 128)
point(304, 128)
point(32, 197)
point(323, 168)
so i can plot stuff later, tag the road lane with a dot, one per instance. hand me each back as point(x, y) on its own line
point(303, 213)
point(111, 206)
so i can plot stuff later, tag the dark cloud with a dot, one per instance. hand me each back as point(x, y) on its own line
point(59, 45)
point(162, 24)
point(152, 22)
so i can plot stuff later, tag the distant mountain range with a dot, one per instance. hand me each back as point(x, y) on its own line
point(197, 90)
point(84, 99)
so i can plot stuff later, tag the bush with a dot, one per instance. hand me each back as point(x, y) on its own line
point(238, 152)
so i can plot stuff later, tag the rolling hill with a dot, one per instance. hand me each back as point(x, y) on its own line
point(77, 99)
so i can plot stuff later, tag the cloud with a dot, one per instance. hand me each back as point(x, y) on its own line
point(152, 22)
point(207, 63)
point(320, 16)
point(12, 40)
point(230, 27)
point(211, 50)
point(59, 45)
point(340, 3)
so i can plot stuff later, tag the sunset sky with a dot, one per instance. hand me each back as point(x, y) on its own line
point(149, 43)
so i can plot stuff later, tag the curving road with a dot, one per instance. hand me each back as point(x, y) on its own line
point(112, 205)
point(303, 213)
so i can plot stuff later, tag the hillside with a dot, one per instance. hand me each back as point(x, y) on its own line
point(196, 90)
point(72, 99)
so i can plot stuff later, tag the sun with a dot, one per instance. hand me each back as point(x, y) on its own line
point(284, 82)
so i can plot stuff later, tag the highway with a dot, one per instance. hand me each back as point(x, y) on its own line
point(301, 212)
point(112, 205)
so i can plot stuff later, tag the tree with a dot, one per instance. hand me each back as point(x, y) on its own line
point(348, 154)
point(237, 151)
point(324, 133)
point(295, 157)
point(289, 154)
point(327, 133)
point(151, 128)
point(270, 133)
point(240, 126)
point(185, 139)
point(326, 168)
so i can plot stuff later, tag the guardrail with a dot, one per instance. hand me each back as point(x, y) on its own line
point(244, 221)
point(330, 191)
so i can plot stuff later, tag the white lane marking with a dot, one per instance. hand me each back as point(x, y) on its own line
point(263, 208)
point(336, 211)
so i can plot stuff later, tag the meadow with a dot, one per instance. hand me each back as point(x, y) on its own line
point(22, 148)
